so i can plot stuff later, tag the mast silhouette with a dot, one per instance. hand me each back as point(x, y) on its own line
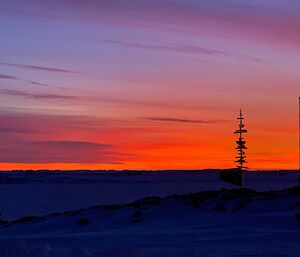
point(241, 144)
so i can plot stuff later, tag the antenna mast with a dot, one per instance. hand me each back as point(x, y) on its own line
point(241, 144)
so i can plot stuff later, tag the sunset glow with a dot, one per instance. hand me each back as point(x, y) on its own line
point(140, 84)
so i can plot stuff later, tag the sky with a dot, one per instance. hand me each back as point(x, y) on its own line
point(148, 84)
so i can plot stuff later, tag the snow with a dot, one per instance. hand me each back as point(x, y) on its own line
point(214, 222)
point(32, 193)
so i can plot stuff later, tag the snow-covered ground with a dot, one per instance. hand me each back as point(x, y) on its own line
point(222, 223)
point(32, 193)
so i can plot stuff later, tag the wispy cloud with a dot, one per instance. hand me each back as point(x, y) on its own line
point(59, 152)
point(4, 76)
point(72, 144)
point(15, 130)
point(181, 48)
point(44, 84)
point(37, 68)
point(42, 96)
point(102, 100)
point(32, 138)
point(38, 84)
point(178, 120)
point(10, 77)
point(19, 120)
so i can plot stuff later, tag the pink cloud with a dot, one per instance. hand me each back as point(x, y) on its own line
point(30, 138)
point(59, 152)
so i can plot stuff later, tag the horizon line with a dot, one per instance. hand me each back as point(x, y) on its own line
point(139, 170)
